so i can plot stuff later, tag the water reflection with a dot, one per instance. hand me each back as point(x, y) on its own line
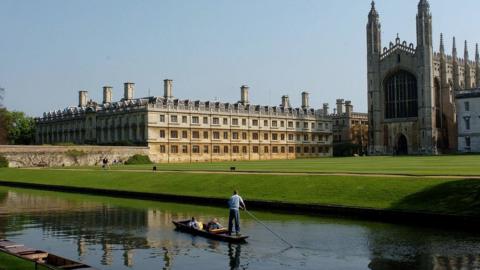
point(128, 234)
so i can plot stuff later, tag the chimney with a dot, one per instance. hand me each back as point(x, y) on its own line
point(82, 98)
point(325, 109)
point(348, 107)
point(244, 94)
point(285, 102)
point(167, 89)
point(107, 94)
point(305, 100)
point(128, 88)
point(340, 103)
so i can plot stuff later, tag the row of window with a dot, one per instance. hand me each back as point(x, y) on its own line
point(236, 122)
point(196, 149)
point(175, 134)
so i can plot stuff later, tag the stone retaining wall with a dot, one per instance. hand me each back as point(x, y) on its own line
point(57, 156)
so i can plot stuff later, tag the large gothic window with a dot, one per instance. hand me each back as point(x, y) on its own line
point(401, 100)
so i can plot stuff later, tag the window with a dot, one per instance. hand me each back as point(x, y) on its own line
point(313, 125)
point(216, 149)
point(184, 134)
point(162, 118)
point(205, 120)
point(162, 149)
point(282, 124)
point(195, 135)
point(265, 123)
point(275, 149)
point(274, 136)
point(274, 123)
point(306, 149)
point(225, 149)
point(265, 149)
point(235, 135)
point(401, 96)
point(195, 149)
point(205, 134)
point(235, 150)
point(282, 149)
point(235, 121)
point(174, 149)
point(290, 137)
point(298, 137)
point(225, 121)
point(244, 122)
point(244, 150)
point(244, 136)
point(216, 135)
point(255, 136)
point(162, 133)
point(254, 123)
point(467, 106)
point(195, 120)
point(184, 149)
point(173, 118)
point(467, 123)
point(225, 135)
point(297, 124)
point(282, 137)
point(299, 149)
point(305, 137)
point(216, 121)
point(184, 119)
point(255, 149)
point(291, 149)
point(290, 124)
point(265, 136)
point(305, 124)
point(174, 134)
point(467, 142)
point(205, 149)
point(320, 126)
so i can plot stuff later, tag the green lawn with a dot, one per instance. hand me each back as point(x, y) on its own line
point(9, 262)
point(412, 165)
point(407, 193)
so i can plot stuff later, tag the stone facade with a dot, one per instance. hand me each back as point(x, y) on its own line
point(193, 131)
point(58, 156)
point(411, 89)
point(468, 106)
point(349, 127)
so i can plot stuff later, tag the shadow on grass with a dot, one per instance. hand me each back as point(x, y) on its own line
point(455, 197)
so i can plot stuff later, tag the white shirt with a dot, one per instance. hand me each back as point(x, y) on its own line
point(235, 201)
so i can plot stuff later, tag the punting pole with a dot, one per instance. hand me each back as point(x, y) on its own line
point(268, 228)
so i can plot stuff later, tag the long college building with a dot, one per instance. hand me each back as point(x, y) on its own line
point(193, 131)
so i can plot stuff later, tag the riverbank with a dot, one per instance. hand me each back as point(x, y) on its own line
point(395, 198)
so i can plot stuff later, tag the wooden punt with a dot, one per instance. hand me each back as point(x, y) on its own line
point(221, 236)
point(40, 256)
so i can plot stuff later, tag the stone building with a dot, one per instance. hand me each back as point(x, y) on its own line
point(350, 129)
point(468, 112)
point(411, 89)
point(189, 131)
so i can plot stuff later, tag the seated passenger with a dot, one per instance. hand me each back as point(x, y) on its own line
point(214, 225)
point(193, 223)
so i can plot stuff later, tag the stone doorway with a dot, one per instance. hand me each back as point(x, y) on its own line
point(402, 145)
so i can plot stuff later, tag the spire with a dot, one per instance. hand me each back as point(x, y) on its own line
point(477, 54)
point(454, 49)
point(466, 52)
point(373, 12)
point(442, 47)
point(423, 6)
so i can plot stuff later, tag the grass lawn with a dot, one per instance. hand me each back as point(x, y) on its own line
point(9, 262)
point(412, 165)
point(407, 193)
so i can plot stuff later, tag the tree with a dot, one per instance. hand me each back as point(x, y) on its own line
point(3, 126)
point(20, 128)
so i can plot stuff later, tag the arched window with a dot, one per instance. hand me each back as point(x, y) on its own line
point(401, 98)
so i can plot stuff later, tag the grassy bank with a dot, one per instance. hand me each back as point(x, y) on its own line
point(9, 262)
point(412, 194)
point(418, 165)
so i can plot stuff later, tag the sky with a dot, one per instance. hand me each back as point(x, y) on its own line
point(51, 49)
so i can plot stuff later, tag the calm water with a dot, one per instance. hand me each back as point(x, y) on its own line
point(112, 233)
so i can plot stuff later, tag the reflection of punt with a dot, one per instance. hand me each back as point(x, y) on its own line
point(41, 257)
point(223, 236)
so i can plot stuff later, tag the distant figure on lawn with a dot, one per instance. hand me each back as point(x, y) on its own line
point(105, 163)
point(235, 204)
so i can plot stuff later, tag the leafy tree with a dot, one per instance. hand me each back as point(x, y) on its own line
point(3, 126)
point(19, 127)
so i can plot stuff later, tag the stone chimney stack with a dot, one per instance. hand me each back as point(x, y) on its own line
point(285, 102)
point(168, 89)
point(325, 109)
point(128, 88)
point(340, 103)
point(305, 100)
point(244, 94)
point(107, 94)
point(348, 107)
point(82, 98)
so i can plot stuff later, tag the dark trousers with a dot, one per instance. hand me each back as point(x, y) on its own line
point(234, 215)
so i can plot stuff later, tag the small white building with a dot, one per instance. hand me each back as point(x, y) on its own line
point(468, 119)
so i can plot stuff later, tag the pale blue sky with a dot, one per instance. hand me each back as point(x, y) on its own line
point(50, 49)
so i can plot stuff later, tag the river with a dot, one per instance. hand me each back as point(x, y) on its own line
point(112, 233)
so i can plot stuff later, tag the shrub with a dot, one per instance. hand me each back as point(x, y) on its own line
point(3, 162)
point(138, 159)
